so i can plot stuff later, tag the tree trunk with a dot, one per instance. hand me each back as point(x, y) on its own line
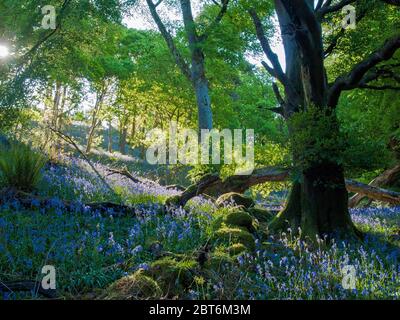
point(318, 201)
point(324, 202)
point(123, 133)
point(198, 75)
point(54, 119)
point(95, 122)
point(109, 134)
point(203, 104)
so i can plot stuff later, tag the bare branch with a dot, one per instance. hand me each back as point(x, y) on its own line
point(70, 141)
point(54, 31)
point(276, 70)
point(332, 46)
point(278, 94)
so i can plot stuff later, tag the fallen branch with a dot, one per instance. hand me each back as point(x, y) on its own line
point(375, 193)
point(28, 200)
point(70, 141)
point(124, 173)
point(127, 174)
point(387, 178)
point(213, 185)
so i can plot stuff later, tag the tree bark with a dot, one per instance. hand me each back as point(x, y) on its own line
point(386, 179)
point(318, 201)
point(109, 135)
point(198, 76)
point(95, 122)
point(195, 73)
point(123, 133)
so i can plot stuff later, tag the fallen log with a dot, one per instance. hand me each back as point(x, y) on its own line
point(213, 185)
point(28, 200)
point(71, 141)
point(175, 187)
point(127, 174)
point(29, 285)
point(387, 178)
point(124, 173)
point(375, 193)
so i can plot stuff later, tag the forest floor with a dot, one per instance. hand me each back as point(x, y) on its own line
point(156, 254)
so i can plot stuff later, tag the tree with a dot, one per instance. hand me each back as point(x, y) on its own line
point(196, 72)
point(318, 200)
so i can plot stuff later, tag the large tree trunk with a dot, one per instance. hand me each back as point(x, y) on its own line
point(324, 201)
point(198, 76)
point(318, 201)
point(200, 84)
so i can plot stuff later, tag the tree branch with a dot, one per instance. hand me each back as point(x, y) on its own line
point(276, 70)
point(48, 36)
point(334, 8)
point(213, 185)
point(331, 47)
point(355, 76)
point(319, 5)
point(180, 61)
point(217, 20)
point(70, 141)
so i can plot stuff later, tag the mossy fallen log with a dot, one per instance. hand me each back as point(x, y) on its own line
point(386, 179)
point(213, 185)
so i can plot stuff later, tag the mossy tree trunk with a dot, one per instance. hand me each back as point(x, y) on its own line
point(318, 201)
point(317, 205)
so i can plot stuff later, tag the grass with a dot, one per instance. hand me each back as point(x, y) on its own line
point(20, 167)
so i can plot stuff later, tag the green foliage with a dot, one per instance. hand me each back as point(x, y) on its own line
point(369, 120)
point(20, 167)
point(316, 138)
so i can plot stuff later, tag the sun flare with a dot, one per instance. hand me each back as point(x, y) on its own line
point(4, 52)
